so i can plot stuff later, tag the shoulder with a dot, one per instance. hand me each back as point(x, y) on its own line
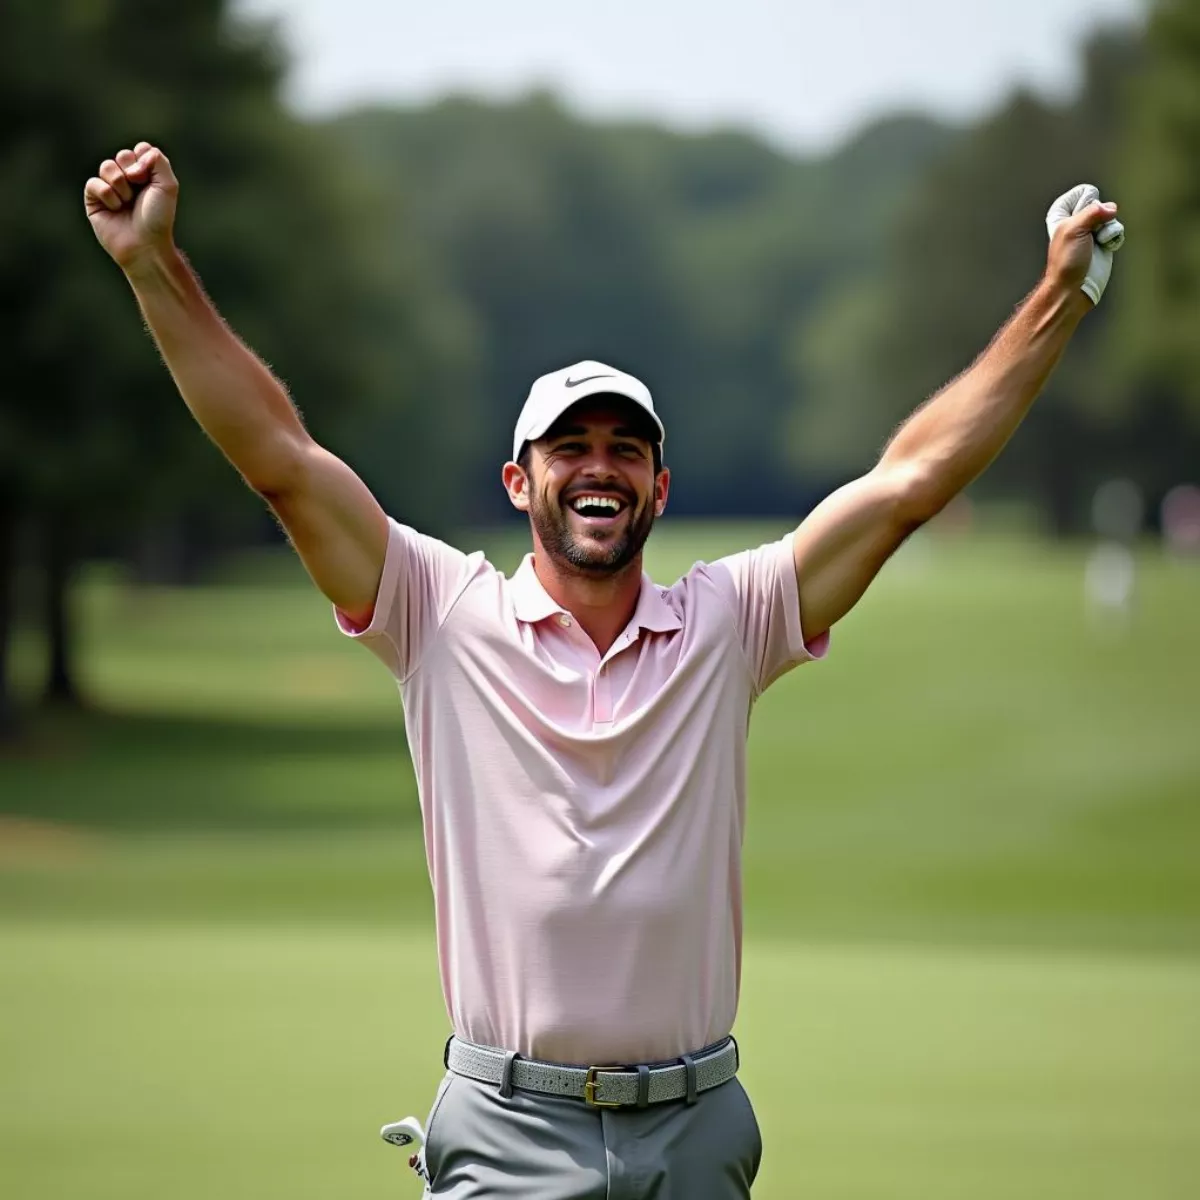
point(706, 592)
point(732, 575)
point(429, 572)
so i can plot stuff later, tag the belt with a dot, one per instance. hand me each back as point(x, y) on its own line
point(601, 1087)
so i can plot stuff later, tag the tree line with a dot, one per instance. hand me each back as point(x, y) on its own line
point(408, 272)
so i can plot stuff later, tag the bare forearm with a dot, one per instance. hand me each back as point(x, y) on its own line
point(230, 392)
point(947, 442)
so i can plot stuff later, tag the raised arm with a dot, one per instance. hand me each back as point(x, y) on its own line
point(337, 527)
point(948, 441)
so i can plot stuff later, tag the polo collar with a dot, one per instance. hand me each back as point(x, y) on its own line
point(532, 603)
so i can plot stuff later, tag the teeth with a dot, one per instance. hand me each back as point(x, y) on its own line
point(595, 502)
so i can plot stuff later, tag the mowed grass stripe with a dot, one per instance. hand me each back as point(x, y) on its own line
point(260, 1061)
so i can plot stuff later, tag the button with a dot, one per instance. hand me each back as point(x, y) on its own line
point(564, 620)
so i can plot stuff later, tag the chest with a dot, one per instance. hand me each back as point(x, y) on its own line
point(549, 678)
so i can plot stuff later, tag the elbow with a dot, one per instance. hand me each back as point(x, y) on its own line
point(278, 472)
point(918, 494)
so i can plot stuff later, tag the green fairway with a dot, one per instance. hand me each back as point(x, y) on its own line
point(972, 871)
point(260, 1062)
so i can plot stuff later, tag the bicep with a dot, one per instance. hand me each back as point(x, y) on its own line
point(338, 529)
point(843, 543)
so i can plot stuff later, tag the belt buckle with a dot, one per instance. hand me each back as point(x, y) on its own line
point(591, 1083)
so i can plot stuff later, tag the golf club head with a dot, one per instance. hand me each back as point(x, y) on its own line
point(404, 1133)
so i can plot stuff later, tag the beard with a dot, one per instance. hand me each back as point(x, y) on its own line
point(585, 553)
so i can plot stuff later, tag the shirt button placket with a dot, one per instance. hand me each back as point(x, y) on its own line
point(601, 697)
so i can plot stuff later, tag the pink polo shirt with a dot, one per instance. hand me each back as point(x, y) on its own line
point(583, 813)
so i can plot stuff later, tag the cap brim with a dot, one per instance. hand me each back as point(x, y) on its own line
point(589, 391)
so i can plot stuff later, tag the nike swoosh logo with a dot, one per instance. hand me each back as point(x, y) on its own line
point(586, 379)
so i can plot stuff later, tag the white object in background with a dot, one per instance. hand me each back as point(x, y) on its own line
point(1118, 510)
point(1108, 583)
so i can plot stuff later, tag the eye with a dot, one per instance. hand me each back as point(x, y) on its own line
point(629, 448)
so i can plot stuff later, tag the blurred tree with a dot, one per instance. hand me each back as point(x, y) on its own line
point(686, 259)
point(754, 274)
point(543, 240)
point(8, 574)
point(756, 240)
point(94, 444)
point(1156, 351)
point(971, 244)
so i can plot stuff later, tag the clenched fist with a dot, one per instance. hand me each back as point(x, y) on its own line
point(1084, 234)
point(131, 204)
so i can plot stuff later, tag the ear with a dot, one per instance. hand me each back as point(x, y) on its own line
point(516, 484)
point(662, 485)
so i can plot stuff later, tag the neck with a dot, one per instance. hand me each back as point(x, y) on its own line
point(603, 605)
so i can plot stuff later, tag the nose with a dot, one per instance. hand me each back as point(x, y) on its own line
point(600, 465)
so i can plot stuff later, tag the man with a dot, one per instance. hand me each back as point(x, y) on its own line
point(578, 733)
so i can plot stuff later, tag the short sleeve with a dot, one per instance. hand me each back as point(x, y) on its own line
point(421, 579)
point(760, 587)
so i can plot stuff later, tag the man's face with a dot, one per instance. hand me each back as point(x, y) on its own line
point(592, 490)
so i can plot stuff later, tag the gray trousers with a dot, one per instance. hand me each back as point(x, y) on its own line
point(480, 1144)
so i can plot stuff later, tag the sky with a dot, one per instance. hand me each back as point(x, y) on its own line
point(803, 73)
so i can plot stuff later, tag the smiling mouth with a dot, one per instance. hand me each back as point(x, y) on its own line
point(596, 509)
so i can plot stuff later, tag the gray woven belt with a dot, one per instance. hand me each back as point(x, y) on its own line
point(602, 1087)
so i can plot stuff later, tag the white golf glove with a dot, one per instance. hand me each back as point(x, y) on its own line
point(1107, 239)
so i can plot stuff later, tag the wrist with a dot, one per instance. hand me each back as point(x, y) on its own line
point(1062, 297)
point(152, 264)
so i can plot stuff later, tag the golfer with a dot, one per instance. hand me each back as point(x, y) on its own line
point(578, 732)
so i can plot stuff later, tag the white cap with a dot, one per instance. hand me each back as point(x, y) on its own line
point(553, 394)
